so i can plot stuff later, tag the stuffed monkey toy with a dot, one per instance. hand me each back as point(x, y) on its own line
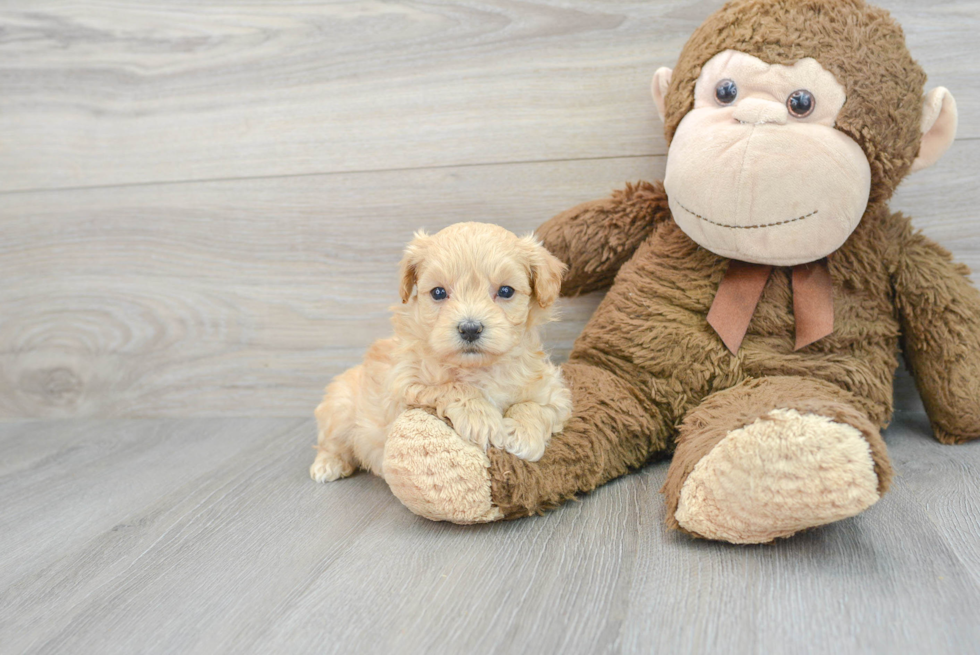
point(757, 297)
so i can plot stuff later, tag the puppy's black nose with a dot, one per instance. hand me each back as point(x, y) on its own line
point(470, 330)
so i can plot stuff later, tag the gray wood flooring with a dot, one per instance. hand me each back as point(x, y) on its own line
point(201, 209)
point(207, 536)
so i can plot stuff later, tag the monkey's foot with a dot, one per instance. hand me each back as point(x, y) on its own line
point(785, 472)
point(435, 473)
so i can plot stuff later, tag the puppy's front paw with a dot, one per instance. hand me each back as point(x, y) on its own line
point(527, 440)
point(329, 467)
point(478, 422)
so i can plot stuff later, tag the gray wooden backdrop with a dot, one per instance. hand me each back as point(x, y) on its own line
point(202, 206)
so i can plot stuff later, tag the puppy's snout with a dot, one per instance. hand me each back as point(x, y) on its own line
point(470, 330)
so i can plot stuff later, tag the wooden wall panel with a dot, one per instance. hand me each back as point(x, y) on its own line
point(224, 298)
point(99, 93)
point(202, 206)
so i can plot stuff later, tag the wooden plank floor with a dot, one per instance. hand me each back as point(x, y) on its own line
point(207, 536)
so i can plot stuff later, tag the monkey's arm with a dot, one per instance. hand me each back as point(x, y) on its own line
point(940, 315)
point(596, 238)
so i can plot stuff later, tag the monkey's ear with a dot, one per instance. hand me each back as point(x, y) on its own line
point(545, 269)
point(938, 127)
point(658, 87)
point(413, 257)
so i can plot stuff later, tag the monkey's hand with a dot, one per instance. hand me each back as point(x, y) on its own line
point(596, 238)
point(940, 314)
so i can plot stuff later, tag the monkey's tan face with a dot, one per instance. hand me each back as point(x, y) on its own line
point(756, 170)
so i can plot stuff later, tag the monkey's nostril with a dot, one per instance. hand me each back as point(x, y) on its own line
point(470, 330)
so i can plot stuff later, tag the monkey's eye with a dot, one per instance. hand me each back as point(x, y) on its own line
point(438, 294)
point(505, 292)
point(725, 92)
point(801, 103)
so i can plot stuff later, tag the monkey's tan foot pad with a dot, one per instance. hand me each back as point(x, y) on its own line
point(781, 474)
point(435, 473)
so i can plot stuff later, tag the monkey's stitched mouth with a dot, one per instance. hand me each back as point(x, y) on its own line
point(748, 227)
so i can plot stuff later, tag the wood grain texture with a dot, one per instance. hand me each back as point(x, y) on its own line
point(207, 536)
point(245, 294)
point(232, 298)
point(100, 93)
point(245, 297)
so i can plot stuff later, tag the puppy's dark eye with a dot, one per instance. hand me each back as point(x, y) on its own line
point(726, 92)
point(801, 103)
point(438, 294)
point(505, 292)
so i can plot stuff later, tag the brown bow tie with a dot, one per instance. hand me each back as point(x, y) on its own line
point(740, 291)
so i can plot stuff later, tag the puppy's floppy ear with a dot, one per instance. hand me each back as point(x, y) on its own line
point(414, 254)
point(545, 269)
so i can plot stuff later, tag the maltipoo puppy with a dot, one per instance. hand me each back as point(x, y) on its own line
point(466, 346)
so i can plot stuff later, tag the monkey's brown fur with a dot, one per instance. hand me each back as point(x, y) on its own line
point(648, 370)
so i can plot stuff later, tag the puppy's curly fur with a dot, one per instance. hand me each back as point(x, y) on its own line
point(471, 353)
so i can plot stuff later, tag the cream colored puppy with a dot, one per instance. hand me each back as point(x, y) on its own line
point(466, 345)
